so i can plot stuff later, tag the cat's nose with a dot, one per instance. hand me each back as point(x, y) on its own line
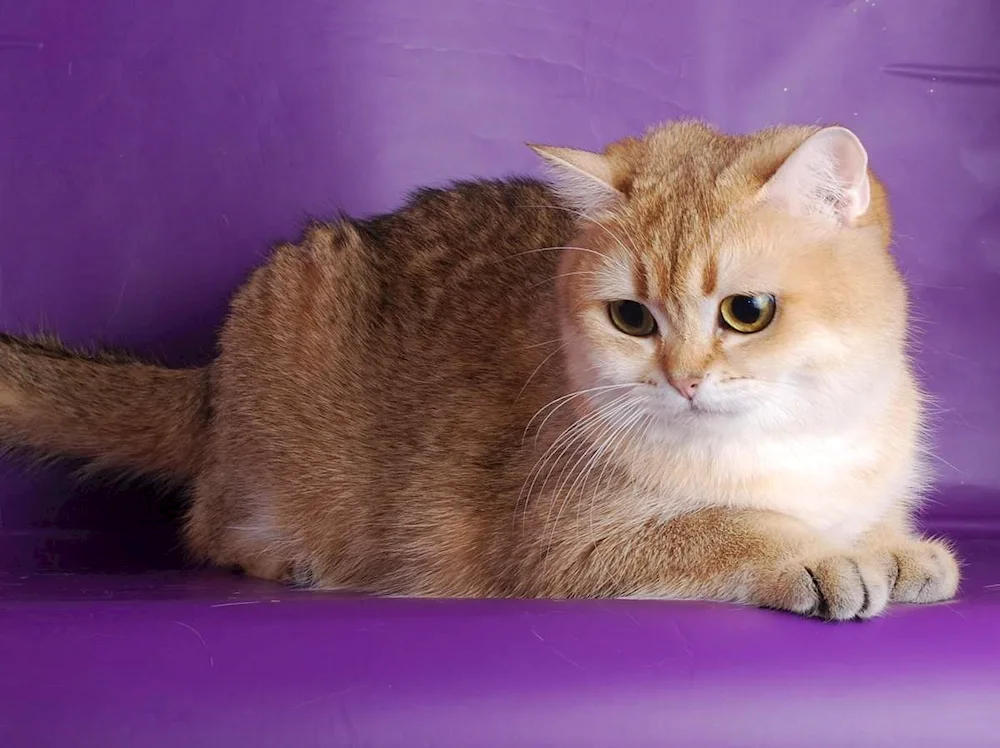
point(686, 385)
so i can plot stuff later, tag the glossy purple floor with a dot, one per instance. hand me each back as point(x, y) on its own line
point(201, 659)
point(150, 152)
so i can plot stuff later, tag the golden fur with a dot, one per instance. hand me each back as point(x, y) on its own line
point(434, 402)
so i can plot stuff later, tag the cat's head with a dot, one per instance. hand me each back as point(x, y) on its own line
point(736, 280)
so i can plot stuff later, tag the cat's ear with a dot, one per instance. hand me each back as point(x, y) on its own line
point(583, 180)
point(826, 176)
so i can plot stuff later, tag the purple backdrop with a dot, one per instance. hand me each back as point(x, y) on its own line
point(149, 154)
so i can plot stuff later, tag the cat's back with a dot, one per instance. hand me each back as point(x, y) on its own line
point(480, 215)
point(462, 253)
point(473, 238)
point(452, 272)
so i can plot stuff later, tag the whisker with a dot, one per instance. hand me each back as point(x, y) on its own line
point(563, 275)
point(595, 423)
point(538, 368)
point(614, 433)
point(609, 423)
point(536, 345)
point(650, 419)
point(630, 251)
point(568, 436)
point(556, 249)
point(573, 432)
point(560, 401)
point(580, 425)
point(638, 410)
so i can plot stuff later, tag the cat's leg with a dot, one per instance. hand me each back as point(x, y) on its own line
point(758, 558)
point(924, 570)
point(226, 527)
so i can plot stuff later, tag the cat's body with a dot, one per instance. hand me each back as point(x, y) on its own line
point(407, 411)
point(437, 402)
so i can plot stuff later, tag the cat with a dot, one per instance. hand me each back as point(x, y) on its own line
point(675, 369)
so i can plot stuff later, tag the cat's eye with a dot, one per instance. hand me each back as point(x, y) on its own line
point(747, 314)
point(632, 318)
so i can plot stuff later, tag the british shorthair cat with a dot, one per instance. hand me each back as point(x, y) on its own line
point(679, 371)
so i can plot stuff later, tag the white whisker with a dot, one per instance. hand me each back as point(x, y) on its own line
point(632, 252)
point(650, 419)
point(582, 439)
point(562, 400)
point(611, 435)
point(537, 369)
point(568, 248)
point(564, 275)
point(537, 345)
point(576, 430)
point(581, 425)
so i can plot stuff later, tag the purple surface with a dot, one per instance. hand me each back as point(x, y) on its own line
point(150, 152)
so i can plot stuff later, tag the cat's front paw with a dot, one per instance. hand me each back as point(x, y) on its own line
point(927, 571)
point(835, 586)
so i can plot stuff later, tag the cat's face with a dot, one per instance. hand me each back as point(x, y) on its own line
point(712, 295)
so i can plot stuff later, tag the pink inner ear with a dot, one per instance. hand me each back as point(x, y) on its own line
point(852, 166)
point(587, 163)
point(826, 176)
point(582, 179)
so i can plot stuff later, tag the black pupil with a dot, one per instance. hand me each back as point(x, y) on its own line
point(746, 309)
point(633, 314)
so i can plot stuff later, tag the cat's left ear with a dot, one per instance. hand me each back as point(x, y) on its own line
point(583, 180)
point(826, 176)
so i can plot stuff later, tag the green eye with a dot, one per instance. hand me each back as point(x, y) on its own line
point(747, 314)
point(632, 318)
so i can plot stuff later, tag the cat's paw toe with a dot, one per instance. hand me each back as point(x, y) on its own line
point(836, 587)
point(927, 572)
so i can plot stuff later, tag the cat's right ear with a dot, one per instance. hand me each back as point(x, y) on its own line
point(826, 176)
point(583, 180)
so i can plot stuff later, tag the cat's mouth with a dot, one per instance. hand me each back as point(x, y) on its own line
point(701, 404)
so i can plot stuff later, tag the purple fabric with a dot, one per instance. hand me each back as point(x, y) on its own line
point(150, 152)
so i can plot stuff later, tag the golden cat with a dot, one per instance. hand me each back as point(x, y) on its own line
point(679, 372)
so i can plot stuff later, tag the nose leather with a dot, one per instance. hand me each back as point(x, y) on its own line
point(685, 385)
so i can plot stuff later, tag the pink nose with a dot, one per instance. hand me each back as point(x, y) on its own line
point(685, 385)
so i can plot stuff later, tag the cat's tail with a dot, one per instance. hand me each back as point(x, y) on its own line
point(113, 410)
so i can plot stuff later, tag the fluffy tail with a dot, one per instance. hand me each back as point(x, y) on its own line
point(116, 411)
